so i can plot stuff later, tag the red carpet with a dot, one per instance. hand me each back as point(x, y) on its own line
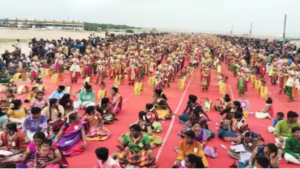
point(177, 101)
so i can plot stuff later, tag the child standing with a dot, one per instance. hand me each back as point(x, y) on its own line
point(102, 92)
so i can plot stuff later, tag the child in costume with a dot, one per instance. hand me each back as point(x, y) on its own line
point(207, 105)
point(102, 92)
point(100, 72)
point(267, 111)
point(74, 72)
point(39, 84)
point(157, 83)
point(138, 87)
point(222, 84)
point(32, 94)
point(205, 79)
point(241, 84)
point(131, 73)
point(35, 69)
point(59, 63)
point(291, 85)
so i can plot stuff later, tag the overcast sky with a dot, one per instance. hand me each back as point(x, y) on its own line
point(216, 16)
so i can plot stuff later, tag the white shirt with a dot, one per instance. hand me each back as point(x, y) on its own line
point(75, 68)
point(292, 82)
point(51, 46)
point(46, 47)
point(17, 45)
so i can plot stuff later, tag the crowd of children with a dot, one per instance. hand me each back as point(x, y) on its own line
point(54, 129)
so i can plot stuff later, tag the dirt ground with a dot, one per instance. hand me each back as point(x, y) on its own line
point(45, 34)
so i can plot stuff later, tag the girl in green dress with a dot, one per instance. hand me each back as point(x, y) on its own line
point(135, 149)
point(148, 128)
point(4, 75)
point(241, 87)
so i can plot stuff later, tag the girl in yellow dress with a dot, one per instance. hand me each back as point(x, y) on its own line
point(31, 95)
point(96, 131)
point(102, 92)
point(17, 112)
point(161, 105)
point(219, 68)
point(222, 84)
point(263, 91)
point(138, 88)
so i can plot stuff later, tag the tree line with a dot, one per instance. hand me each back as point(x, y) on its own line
point(96, 26)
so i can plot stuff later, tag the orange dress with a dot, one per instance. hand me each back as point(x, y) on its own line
point(96, 131)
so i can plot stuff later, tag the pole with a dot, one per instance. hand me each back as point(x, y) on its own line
point(283, 48)
point(231, 30)
point(250, 33)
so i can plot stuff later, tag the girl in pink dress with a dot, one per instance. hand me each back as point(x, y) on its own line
point(116, 101)
point(45, 157)
point(59, 63)
point(34, 72)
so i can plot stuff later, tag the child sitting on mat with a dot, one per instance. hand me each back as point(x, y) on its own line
point(279, 116)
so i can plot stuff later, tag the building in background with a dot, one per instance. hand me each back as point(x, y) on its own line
point(44, 24)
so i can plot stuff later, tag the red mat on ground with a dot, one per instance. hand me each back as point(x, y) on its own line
point(177, 100)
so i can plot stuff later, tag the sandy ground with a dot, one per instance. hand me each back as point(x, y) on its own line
point(45, 34)
point(8, 46)
point(297, 43)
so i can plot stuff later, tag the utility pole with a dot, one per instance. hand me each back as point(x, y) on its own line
point(283, 42)
point(250, 33)
point(231, 30)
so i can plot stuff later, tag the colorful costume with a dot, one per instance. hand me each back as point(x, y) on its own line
point(205, 80)
point(116, 100)
point(96, 132)
point(74, 72)
point(134, 152)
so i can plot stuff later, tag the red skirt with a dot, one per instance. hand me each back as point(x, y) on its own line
point(77, 74)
